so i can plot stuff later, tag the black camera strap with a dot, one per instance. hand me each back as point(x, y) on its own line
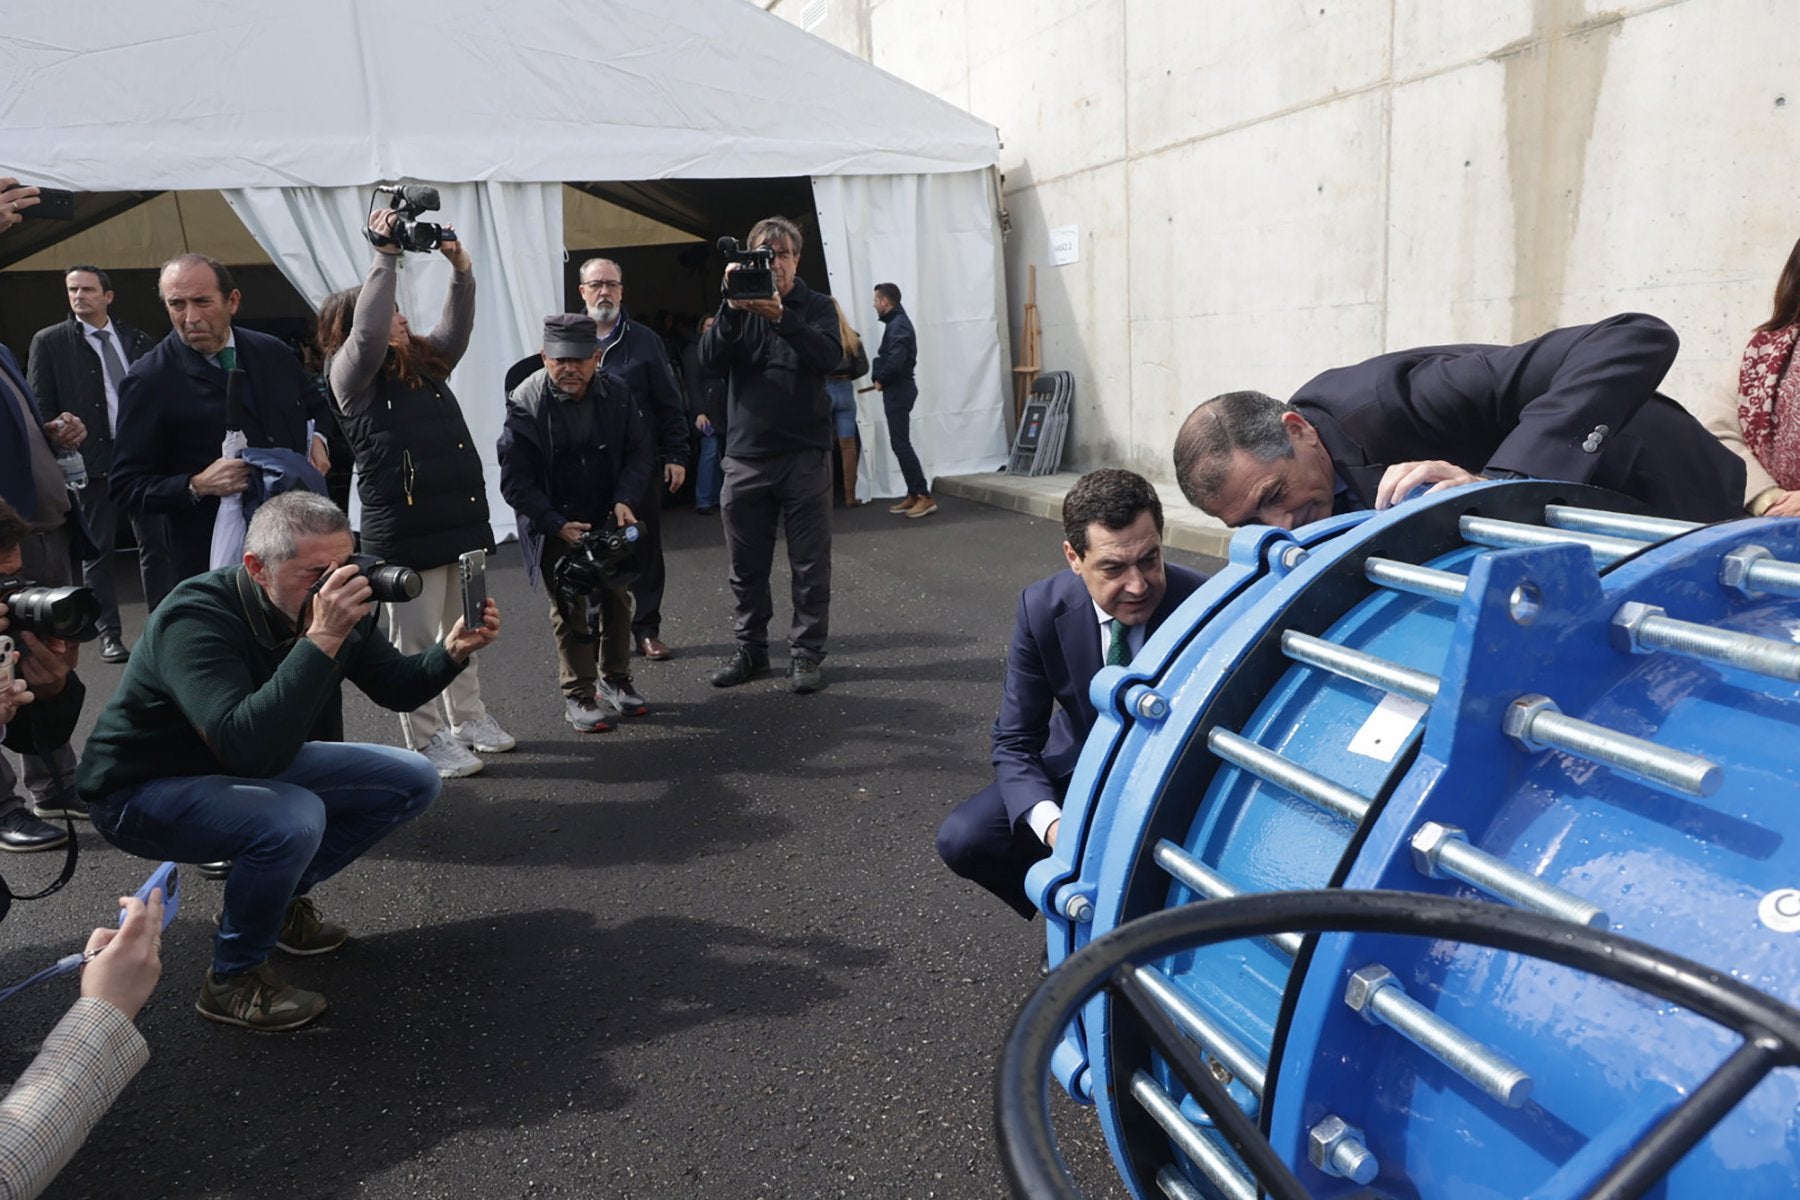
point(71, 853)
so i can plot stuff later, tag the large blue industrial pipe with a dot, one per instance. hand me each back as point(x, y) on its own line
point(1513, 693)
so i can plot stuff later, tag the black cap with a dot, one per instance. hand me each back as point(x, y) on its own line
point(570, 335)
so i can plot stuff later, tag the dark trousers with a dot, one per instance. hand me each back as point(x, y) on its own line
point(897, 401)
point(760, 495)
point(647, 592)
point(97, 573)
point(980, 842)
point(46, 561)
point(188, 538)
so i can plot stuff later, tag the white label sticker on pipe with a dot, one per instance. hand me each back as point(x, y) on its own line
point(1388, 727)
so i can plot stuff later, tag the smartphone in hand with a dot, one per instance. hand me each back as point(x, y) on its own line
point(472, 567)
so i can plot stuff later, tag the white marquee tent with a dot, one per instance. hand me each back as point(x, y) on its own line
point(293, 111)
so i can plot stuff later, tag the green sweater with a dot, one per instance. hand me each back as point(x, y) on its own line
point(219, 687)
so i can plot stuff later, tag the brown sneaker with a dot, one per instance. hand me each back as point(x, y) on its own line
point(924, 506)
point(904, 505)
point(302, 932)
point(257, 999)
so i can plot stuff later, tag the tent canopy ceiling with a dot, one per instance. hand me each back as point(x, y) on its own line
point(266, 93)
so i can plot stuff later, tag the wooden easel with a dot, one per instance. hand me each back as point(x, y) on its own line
point(1025, 363)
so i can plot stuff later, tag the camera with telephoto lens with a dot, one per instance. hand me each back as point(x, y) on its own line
point(71, 613)
point(389, 583)
point(603, 560)
point(409, 200)
point(754, 278)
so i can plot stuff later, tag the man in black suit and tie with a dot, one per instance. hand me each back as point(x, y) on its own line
point(79, 365)
point(1099, 612)
point(166, 458)
point(1577, 404)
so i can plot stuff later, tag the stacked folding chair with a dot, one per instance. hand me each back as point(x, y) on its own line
point(1038, 444)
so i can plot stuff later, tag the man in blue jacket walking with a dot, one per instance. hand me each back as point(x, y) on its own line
point(893, 375)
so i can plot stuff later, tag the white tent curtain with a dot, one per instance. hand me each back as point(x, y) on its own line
point(513, 233)
point(935, 237)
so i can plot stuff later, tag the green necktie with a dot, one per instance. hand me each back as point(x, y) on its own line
point(1116, 653)
point(228, 358)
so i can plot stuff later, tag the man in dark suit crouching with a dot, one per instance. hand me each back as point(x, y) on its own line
point(1099, 612)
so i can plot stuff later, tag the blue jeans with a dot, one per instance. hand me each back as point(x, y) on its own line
point(284, 834)
point(711, 477)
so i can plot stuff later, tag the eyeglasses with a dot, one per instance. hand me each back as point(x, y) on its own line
point(604, 285)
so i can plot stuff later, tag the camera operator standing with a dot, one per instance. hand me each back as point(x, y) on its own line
point(575, 455)
point(424, 501)
point(775, 351)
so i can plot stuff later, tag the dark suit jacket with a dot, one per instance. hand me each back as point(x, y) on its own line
point(65, 372)
point(1578, 404)
point(1054, 656)
point(172, 421)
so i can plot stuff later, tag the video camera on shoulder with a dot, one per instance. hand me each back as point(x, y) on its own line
point(71, 613)
point(603, 560)
point(754, 278)
point(409, 200)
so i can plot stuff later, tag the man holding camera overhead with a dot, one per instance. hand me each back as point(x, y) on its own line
point(575, 455)
point(775, 350)
point(212, 747)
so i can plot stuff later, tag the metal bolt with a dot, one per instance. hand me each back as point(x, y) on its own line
point(1293, 556)
point(1443, 851)
point(1337, 1148)
point(1078, 908)
point(1538, 725)
point(1645, 629)
point(1374, 993)
point(1151, 706)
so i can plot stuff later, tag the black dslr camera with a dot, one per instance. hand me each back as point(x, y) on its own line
point(604, 559)
point(755, 277)
point(64, 612)
point(389, 583)
point(409, 200)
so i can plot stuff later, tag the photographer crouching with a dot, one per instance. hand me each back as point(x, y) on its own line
point(424, 501)
point(207, 750)
point(575, 454)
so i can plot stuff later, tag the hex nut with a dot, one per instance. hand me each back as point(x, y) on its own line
point(1734, 568)
point(1322, 1139)
point(1626, 624)
point(1521, 713)
point(1425, 844)
point(1364, 984)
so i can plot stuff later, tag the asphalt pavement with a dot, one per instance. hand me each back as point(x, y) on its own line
point(709, 954)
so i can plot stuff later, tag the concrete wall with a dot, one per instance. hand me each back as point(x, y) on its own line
point(1267, 189)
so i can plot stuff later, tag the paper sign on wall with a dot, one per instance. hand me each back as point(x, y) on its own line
point(1065, 245)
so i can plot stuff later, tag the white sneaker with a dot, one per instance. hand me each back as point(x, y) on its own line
point(484, 734)
point(451, 758)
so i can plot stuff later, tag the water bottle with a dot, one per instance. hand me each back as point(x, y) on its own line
point(74, 469)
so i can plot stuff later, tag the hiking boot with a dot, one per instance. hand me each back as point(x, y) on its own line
point(484, 735)
point(924, 506)
point(905, 505)
point(743, 666)
point(451, 758)
point(302, 932)
point(618, 692)
point(585, 715)
point(804, 674)
point(257, 999)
